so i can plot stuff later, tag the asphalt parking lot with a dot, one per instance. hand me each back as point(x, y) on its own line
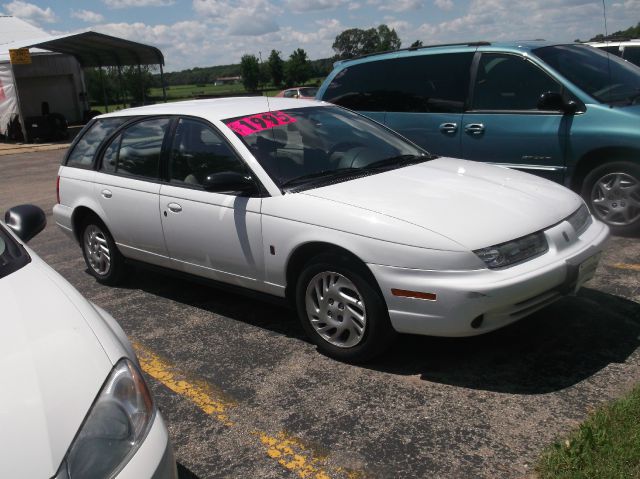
point(245, 395)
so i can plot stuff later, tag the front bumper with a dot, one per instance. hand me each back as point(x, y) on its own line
point(497, 297)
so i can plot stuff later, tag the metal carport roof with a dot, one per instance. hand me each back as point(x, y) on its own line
point(93, 49)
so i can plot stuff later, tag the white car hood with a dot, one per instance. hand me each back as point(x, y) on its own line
point(473, 204)
point(52, 369)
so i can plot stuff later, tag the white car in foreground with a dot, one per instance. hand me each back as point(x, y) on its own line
point(74, 403)
point(363, 231)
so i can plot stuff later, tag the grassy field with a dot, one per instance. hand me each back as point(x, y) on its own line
point(607, 445)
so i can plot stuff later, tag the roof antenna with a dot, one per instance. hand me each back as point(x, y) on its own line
point(606, 40)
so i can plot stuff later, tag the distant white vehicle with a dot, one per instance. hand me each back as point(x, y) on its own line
point(367, 234)
point(74, 402)
point(627, 49)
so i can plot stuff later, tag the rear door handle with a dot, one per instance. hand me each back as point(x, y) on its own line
point(449, 128)
point(474, 129)
point(175, 207)
point(107, 193)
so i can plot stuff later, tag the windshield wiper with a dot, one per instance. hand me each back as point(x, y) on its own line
point(398, 161)
point(320, 175)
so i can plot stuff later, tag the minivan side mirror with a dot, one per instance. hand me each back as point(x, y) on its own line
point(229, 182)
point(554, 101)
point(25, 221)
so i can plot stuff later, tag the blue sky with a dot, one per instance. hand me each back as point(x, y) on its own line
point(213, 32)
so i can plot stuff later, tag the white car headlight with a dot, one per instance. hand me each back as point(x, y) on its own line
point(512, 252)
point(580, 219)
point(115, 427)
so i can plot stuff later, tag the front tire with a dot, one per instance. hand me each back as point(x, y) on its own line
point(612, 192)
point(104, 261)
point(341, 311)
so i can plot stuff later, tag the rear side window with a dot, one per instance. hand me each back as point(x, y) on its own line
point(199, 151)
point(360, 87)
point(632, 54)
point(136, 151)
point(418, 84)
point(85, 149)
point(510, 82)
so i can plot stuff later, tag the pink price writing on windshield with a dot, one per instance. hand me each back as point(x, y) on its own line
point(261, 121)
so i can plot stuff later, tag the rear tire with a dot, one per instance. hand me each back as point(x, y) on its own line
point(342, 312)
point(104, 261)
point(612, 192)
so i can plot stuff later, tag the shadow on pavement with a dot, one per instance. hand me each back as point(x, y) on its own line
point(551, 350)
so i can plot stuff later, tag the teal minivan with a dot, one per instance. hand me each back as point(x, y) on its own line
point(568, 112)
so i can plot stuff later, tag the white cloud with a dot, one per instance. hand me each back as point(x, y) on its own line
point(240, 17)
point(137, 3)
point(354, 6)
point(402, 5)
point(30, 12)
point(313, 5)
point(444, 4)
point(87, 16)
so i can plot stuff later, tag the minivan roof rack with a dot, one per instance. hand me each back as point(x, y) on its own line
point(411, 49)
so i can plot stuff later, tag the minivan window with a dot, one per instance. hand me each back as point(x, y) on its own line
point(510, 82)
point(139, 149)
point(632, 54)
point(360, 87)
point(85, 149)
point(199, 151)
point(606, 78)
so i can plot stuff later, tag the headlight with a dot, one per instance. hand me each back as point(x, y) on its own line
point(581, 219)
point(512, 252)
point(115, 427)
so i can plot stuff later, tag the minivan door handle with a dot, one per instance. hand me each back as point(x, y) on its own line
point(175, 207)
point(107, 193)
point(474, 129)
point(449, 128)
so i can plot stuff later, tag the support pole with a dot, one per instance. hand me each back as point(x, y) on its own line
point(164, 90)
point(104, 91)
point(141, 84)
point(121, 87)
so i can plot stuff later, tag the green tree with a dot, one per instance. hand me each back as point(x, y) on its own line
point(298, 68)
point(136, 82)
point(250, 68)
point(355, 41)
point(416, 44)
point(276, 67)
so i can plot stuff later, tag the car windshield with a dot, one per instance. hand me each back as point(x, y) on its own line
point(12, 256)
point(305, 147)
point(605, 77)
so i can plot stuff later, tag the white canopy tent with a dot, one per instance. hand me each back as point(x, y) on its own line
point(55, 74)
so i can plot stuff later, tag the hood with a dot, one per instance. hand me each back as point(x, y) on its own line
point(473, 204)
point(52, 366)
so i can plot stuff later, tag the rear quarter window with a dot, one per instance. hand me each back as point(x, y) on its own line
point(83, 153)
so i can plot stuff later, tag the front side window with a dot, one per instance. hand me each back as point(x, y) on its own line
point(360, 87)
point(199, 151)
point(136, 151)
point(85, 149)
point(604, 77)
point(510, 82)
point(310, 145)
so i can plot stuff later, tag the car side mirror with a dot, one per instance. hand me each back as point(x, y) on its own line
point(229, 182)
point(554, 101)
point(25, 221)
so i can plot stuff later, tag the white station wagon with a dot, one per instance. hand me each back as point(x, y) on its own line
point(367, 234)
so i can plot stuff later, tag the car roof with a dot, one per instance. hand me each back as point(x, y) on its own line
point(219, 108)
point(616, 43)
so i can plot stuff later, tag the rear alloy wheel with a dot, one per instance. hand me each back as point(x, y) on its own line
point(342, 312)
point(100, 253)
point(613, 193)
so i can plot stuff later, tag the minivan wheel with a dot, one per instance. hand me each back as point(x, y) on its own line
point(341, 311)
point(101, 255)
point(612, 191)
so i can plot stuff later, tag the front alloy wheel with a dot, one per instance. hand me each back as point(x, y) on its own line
point(96, 250)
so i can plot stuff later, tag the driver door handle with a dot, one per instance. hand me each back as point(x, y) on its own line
point(106, 193)
point(175, 207)
point(474, 129)
point(449, 128)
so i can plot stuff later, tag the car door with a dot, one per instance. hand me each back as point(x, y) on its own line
point(426, 96)
point(504, 125)
point(127, 185)
point(214, 235)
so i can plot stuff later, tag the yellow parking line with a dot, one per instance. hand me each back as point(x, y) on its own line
point(287, 450)
point(631, 267)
